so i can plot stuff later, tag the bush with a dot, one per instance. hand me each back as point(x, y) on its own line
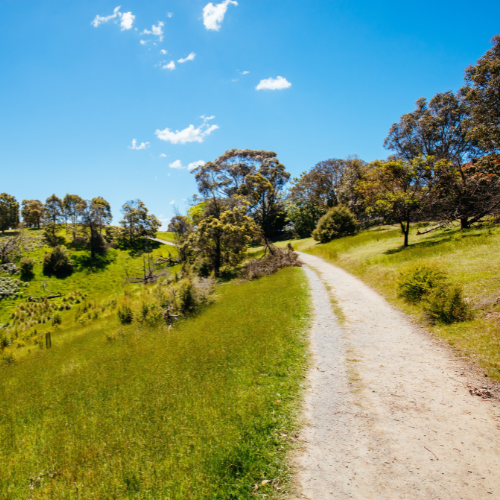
point(276, 259)
point(27, 265)
point(337, 222)
point(187, 300)
point(57, 262)
point(418, 281)
point(125, 314)
point(445, 304)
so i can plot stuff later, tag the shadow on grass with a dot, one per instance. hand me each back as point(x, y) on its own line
point(98, 263)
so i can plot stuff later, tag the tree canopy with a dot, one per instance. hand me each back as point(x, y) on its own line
point(9, 212)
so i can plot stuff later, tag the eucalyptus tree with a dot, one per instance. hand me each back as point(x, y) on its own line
point(32, 212)
point(9, 212)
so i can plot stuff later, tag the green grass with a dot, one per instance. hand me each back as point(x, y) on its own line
point(471, 258)
point(166, 236)
point(98, 279)
point(199, 411)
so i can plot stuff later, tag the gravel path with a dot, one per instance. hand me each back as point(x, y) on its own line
point(389, 411)
point(163, 241)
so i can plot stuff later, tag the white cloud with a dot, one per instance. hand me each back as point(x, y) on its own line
point(156, 30)
point(189, 134)
point(126, 19)
point(195, 164)
point(169, 14)
point(245, 72)
point(190, 57)
point(143, 145)
point(163, 155)
point(170, 65)
point(278, 83)
point(235, 80)
point(177, 164)
point(213, 15)
point(172, 202)
point(144, 42)
point(163, 51)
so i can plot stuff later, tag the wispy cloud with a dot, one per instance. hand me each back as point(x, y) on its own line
point(189, 134)
point(144, 42)
point(172, 202)
point(278, 83)
point(163, 155)
point(177, 164)
point(170, 65)
point(245, 72)
point(156, 30)
point(143, 145)
point(190, 57)
point(169, 14)
point(163, 51)
point(126, 19)
point(213, 15)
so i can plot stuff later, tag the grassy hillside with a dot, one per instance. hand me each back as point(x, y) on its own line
point(166, 236)
point(470, 258)
point(201, 410)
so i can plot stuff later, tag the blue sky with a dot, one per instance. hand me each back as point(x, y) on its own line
point(76, 90)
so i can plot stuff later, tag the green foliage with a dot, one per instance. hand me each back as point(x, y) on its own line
point(26, 265)
point(198, 411)
point(418, 281)
point(9, 212)
point(56, 320)
point(58, 262)
point(125, 314)
point(10, 287)
point(137, 222)
point(337, 222)
point(445, 304)
point(32, 212)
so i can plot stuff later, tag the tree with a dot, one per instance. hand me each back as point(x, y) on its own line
point(222, 239)
point(337, 222)
point(72, 206)
point(92, 220)
point(9, 212)
point(397, 189)
point(466, 192)
point(32, 212)
point(53, 215)
point(327, 184)
point(482, 94)
point(102, 210)
point(137, 222)
point(439, 128)
point(257, 176)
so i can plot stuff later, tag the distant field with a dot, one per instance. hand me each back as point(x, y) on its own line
point(203, 411)
point(471, 258)
point(166, 236)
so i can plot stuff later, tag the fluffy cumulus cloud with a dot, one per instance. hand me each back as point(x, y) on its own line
point(195, 164)
point(213, 15)
point(278, 83)
point(177, 164)
point(143, 145)
point(126, 19)
point(170, 65)
point(190, 57)
point(189, 134)
point(156, 30)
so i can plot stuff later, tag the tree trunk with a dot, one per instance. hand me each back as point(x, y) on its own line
point(464, 222)
point(405, 227)
point(217, 260)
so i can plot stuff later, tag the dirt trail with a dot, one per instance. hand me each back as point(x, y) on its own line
point(163, 241)
point(390, 415)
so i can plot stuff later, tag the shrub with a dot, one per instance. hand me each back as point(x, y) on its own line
point(27, 265)
point(276, 259)
point(445, 304)
point(187, 300)
point(418, 281)
point(337, 222)
point(57, 262)
point(125, 314)
point(56, 320)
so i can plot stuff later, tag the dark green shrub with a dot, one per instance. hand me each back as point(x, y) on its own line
point(27, 265)
point(57, 262)
point(337, 222)
point(56, 320)
point(187, 299)
point(418, 281)
point(445, 304)
point(125, 314)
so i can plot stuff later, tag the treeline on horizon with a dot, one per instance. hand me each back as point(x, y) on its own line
point(444, 167)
